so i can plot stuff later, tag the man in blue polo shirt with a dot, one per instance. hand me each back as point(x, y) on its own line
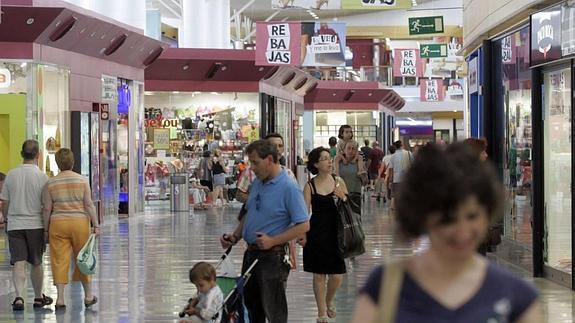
point(276, 214)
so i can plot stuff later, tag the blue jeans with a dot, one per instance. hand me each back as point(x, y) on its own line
point(265, 291)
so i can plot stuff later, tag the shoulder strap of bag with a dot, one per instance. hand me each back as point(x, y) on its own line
point(390, 289)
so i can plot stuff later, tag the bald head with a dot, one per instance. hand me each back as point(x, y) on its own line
point(30, 150)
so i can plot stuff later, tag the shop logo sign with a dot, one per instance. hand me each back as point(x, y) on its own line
point(5, 78)
point(378, 3)
point(545, 34)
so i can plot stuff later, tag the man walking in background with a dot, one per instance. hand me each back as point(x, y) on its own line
point(400, 162)
point(22, 205)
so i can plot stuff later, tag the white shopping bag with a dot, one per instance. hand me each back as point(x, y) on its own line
point(86, 260)
point(227, 269)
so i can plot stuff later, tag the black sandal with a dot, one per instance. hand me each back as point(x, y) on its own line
point(18, 306)
point(42, 301)
point(92, 302)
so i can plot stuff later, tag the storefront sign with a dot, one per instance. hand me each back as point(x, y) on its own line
point(161, 123)
point(568, 28)
point(431, 91)
point(407, 63)
point(546, 36)
point(104, 111)
point(161, 139)
point(306, 4)
point(277, 43)
point(376, 4)
point(473, 76)
point(433, 50)
point(426, 25)
point(5, 78)
point(507, 50)
point(109, 88)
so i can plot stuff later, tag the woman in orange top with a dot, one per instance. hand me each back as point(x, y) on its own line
point(68, 213)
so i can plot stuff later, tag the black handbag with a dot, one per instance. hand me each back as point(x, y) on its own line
point(350, 234)
point(354, 200)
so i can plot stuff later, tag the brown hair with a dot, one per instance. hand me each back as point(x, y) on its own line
point(202, 271)
point(479, 145)
point(65, 159)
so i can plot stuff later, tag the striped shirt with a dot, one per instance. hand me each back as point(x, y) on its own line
point(67, 193)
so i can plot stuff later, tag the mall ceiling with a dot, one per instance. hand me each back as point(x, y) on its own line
point(259, 10)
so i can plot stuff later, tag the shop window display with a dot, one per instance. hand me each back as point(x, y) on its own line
point(179, 127)
point(512, 57)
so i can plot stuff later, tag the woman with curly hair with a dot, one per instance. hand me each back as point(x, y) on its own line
point(450, 196)
point(320, 252)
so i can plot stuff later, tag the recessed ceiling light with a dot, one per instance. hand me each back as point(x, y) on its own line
point(334, 94)
point(224, 68)
point(30, 21)
point(175, 92)
point(370, 94)
point(261, 69)
point(185, 67)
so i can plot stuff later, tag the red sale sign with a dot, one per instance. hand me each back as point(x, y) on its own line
point(407, 62)
point(431, 91)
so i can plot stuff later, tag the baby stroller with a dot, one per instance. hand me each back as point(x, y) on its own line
point(232, 286)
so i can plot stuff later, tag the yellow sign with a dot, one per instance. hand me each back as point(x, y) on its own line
point(375, 4)
point(161, 138)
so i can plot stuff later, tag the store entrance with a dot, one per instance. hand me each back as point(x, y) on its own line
point(557, 143)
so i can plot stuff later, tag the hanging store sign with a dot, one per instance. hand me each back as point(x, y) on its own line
point(5, 78)
point(301, 44)
point(433, 50)
point(109, 88)
point(376, 4)
point(507, 49)
point(426, 25)
point(546, 36)
point(431, 90)
point(407, 63)
point(104, 111)
point(277, 44)
point(306, 4)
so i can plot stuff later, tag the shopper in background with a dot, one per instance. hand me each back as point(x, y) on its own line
point(22, 205)
point(366, 150)
point(384, 172)
point(450, 196)
point(398, 166)
point(219, 177)
point(374, 160)
point(205, 172)
point(320, 253)
point(68, 214)
point(345, 135)
point(332, 147)
point(278, 141)
point(352, 171)
point(267, 228)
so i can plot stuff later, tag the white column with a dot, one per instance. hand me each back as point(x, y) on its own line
point(205, 24)
point(130, 12)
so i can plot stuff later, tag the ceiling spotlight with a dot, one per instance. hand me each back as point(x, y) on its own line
point(186, 67)
point(30, 21)
point(261, 69)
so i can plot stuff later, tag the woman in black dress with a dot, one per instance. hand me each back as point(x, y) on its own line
point(320, 254)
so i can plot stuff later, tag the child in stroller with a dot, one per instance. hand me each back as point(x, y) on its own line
point(207, 307)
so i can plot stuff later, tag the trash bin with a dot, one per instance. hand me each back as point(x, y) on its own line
point(179, 195)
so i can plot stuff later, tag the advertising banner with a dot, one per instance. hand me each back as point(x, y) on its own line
point(407, 63)
point(473, 76)
point(324, 43)
point(306, 4)
point(376, 4)
point(431, 90)
point(546, 36)
point(508, 50)
point(278, 43)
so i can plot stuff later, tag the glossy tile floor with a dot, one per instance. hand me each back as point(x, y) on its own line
point(144, 261)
